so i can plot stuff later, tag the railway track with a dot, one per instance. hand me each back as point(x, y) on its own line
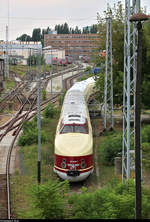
point(11, 95)
point(12, 129)
point(17, 92)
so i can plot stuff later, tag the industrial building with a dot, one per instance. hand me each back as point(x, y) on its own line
point(50, 53)
point(20, 50)
point(74, 44)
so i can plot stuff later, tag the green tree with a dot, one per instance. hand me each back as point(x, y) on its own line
point(77, 30)
point(36, 35)
point(93, 29)
point(24, 37)
point(66, 28)
point(118, 52)
point(86, 30)
point(117, 47)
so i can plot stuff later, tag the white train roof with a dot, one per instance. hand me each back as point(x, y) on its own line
point(74, 106)
point(82, 85)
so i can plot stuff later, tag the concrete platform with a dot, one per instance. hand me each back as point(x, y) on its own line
point(56, 83)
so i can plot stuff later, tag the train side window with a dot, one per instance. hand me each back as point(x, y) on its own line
point(86, 126)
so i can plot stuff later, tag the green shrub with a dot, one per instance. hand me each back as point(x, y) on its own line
point(115, 201)
point(61, 98)
point(50, 111)
point(43, 94)
point(31, 137)
point(109, 148)
point(30, 134)
point(146, 134)
point(48, 201)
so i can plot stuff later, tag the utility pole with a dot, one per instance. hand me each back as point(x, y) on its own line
point(138, 18)
point(44, 70)
point(38, 116)
point(108, 88)
point(62, 71)
point(28, 71)
point(7, 57)
point(51, 71)
point(72, 61)
point(129, 84)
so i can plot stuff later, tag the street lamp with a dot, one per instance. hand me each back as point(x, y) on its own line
point(139, 17)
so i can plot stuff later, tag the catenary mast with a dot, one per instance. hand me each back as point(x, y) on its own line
point(129, 85)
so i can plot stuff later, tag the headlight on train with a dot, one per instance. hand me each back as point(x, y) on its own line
point(63, 164)
point(83, 165)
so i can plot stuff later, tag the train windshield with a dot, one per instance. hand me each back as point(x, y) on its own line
point(80, 129)
point(67, 129)
point(74, 129)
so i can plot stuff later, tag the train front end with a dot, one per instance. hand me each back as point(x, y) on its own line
point(74, 139)
point(74, 150)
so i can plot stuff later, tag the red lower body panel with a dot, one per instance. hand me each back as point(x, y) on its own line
point(80, 163)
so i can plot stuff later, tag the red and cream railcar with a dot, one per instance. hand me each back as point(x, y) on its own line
point(74, 140)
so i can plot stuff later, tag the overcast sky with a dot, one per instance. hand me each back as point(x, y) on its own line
point(25, 15)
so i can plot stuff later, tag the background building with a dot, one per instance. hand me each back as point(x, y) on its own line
point(74, 44)
point(20, 50)
point(50, 53)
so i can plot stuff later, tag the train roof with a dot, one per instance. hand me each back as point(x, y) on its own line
point(82, 85)
point(74, 107)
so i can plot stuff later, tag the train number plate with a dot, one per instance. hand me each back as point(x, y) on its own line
point(73, 173)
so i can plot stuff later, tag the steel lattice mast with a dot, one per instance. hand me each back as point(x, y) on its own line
point(129, 85)
point(108, 88)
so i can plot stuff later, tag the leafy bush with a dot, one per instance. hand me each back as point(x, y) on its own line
point(88, 68)
point(115, 201)
point(48, 201)
point(50, 111)
point(43, 94)
point(30, 134)
point(110, 147)
point(61, 98)
point(146, 134)
point(146, 146)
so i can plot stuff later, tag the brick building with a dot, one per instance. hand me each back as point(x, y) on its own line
point(74, 44)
